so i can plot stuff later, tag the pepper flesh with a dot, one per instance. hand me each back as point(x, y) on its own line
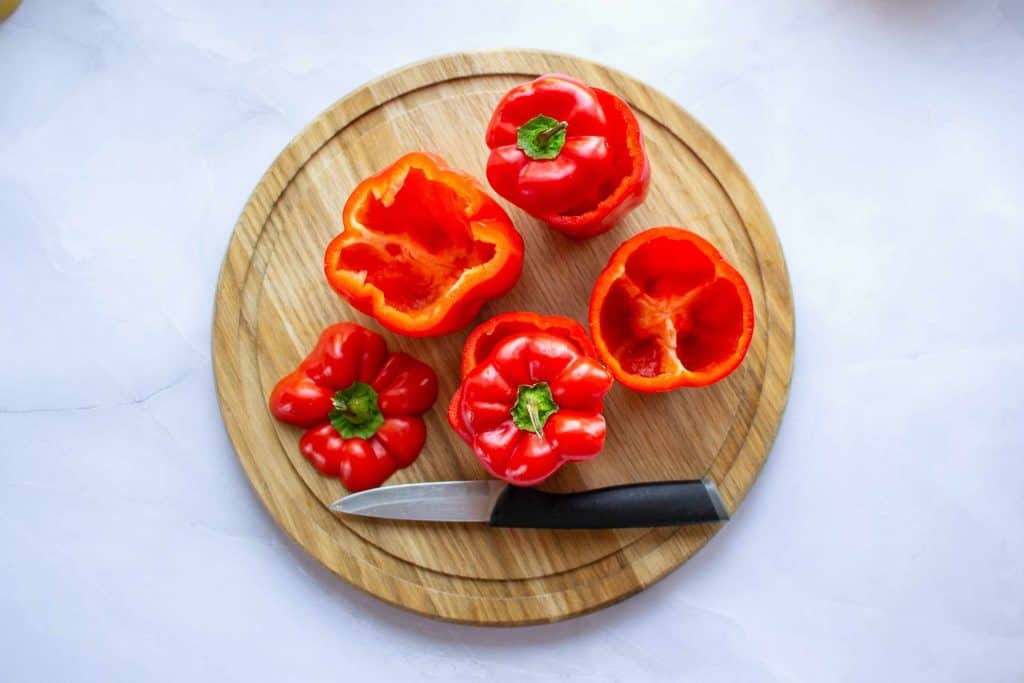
point(668, 311)
point(598, 176)
point(534, 404)
point(349, 356)
point(423, 248)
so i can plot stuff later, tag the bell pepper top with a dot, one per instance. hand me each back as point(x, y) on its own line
point(668, 311)
point(423, 247)
point(490, 333)
point(568, 154)
point(361, 405)
point(533, 405)
point(549, 148)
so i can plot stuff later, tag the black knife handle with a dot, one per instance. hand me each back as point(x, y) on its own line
point(663, 503)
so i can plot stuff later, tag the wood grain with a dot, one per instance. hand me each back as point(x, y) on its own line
point(272, 302)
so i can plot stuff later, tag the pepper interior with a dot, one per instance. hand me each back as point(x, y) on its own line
point(669, 311)
point(416, 247)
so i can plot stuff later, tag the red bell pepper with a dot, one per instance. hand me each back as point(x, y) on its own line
point(570, 155)
point(361, 404)
point(668, 311)
point(423, 248)
point(488, 334)
point(533, 404)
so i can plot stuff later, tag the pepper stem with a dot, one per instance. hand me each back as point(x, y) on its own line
point(542, 137)
point(545, 135)
point(534, 405)
point(356, 411)
point(534, 411)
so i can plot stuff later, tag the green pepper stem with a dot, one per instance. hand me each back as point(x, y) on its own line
point(356, 413)
point(545, 135)
point(533, 410)
point(356, 410)
point(534, 405)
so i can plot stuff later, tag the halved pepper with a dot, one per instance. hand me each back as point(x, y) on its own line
point(361, 404)
point(668, 311)
point(534, 404)
point(423, 248)
point(568, 154)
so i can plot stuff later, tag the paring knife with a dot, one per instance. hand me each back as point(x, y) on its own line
point(663, 503)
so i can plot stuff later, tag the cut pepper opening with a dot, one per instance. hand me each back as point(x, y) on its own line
point(668, 308)
point(425, 244)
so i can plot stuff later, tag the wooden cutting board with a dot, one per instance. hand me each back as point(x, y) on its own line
point(272, 302)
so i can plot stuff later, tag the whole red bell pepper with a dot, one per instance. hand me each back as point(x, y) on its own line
point(423, 248)
point(361, 404)
point(568, 154)
point(668, 311)
point(533, 404)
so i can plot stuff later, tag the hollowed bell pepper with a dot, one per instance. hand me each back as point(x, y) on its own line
point(423, 248)
point(668, 311)
point(361, 404)
point(533, 404)
point(570, 155)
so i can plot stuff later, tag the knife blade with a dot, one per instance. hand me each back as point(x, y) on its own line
point(663, 503)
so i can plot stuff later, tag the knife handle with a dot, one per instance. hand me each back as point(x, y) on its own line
point(663, 503)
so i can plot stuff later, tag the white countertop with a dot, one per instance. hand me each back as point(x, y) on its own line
point(884, 539)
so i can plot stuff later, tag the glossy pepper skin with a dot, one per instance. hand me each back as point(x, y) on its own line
point(488, 334)
point(361, 405)
point(589, 169)
point(423, 248)
point(551, 177)
point(534, 404)
point(668, 311)
point(627, 187)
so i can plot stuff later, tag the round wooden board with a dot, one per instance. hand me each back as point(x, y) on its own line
point(272, 302)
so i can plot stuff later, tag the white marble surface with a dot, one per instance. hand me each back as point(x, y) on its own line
point(885, 537)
